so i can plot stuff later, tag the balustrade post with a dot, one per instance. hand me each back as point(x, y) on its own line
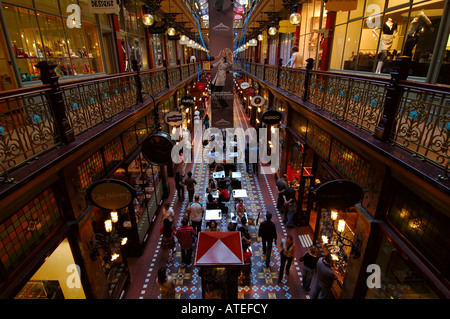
point(56, 101)
point(135, 66)
point(166, 70)
point(309, 66)
point(280, 64)
point(266, 61)
point(386, 124)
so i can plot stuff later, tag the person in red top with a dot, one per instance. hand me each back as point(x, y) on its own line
point(185, 235)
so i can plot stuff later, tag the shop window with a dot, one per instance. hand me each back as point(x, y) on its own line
point(172, 52)
point(399, 279)
point(338, 48)
point(25, 39)
point(77, 51)
point(364, 59)
point(359, 11)
point(421, 35)
point(157, 47)
point(422, 224)
point(93, 48)
point(7, 81)
point(445, 64)
point(52, 280)
point(21, 233)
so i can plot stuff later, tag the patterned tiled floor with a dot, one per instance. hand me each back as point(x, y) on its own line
point(264, 281)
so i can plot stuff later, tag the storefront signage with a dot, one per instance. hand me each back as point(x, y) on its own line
point(341, 5)
point(249, 91)
point(258, 100)
point(174, 118)
point(111, 194)
point(103, 6)
point(245, 85)
point(338, 194)
point(157, 149)
point(187, 101)
point(271, 117)
point(200, 85)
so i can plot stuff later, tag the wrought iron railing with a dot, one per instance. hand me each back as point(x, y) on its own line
point(30, 124)
point(416, 117)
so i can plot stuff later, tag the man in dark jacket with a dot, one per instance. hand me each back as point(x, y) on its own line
point(268, 234)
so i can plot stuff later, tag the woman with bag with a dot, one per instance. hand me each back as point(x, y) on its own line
point(309, 260)
point(286, 255)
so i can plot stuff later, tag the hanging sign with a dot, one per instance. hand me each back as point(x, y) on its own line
point(249, 91)
point(271, 117)
point(111, 194)
point(245, 85)
point(338, 194)
point(104, 6)
point(200, 85)
point(174, 118)
point(157, 149)
point(258, 100)
point(187, 101)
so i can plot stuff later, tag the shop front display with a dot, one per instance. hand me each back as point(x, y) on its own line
point(37, 36)
point(146, 181)
point(57, 278)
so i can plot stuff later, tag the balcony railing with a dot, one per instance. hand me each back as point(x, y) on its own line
point(30, 123)
point(414, 116)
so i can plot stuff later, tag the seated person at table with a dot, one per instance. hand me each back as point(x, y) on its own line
point(244, 228)
point(212, 226)
point(240, 208)
point(224, 196)
point(210, 199)
point(212, 184)
point(219, 167)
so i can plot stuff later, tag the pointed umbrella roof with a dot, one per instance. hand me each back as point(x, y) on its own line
point(219, 248)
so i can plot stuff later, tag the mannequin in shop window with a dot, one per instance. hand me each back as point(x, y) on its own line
point(421, 20)
point(388, 33)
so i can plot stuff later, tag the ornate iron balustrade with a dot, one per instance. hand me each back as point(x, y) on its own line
point(423, 122)
point(418, 118)
point(27, 127)
point(30, 123)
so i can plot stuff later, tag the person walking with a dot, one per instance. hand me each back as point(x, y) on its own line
point(179, 185)
point(168, 238)
point(268, 233)
point(206, 121)
point(287, 253)
point(196, 212)
point(165, 284)
point(281, 186)
point(309, 260)
point(190, 185)
point(185, 235)
point(325, 278)
point(289, 203)
point(167, 212)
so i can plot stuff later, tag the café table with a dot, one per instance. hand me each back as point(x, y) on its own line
point(239, 193)
point(213, 214)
